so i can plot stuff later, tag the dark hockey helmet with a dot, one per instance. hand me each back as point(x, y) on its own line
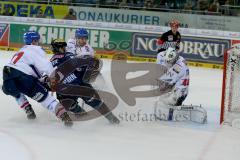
point(57, 44)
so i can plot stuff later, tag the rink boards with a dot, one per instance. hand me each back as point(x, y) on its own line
point(139, 59)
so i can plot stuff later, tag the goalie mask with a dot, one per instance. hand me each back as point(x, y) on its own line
point(171, 55)
point(58, 46)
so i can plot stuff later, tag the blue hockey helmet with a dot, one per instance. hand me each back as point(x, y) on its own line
point(30, 36)
point(81, 32)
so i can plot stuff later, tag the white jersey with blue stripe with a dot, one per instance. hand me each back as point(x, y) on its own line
point(79, 50)
point(31, 60)
point(177, 74)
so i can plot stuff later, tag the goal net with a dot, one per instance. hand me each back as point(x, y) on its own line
point(230, 109)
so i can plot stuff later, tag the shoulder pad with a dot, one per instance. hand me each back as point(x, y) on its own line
point(177, 68)
point(71, 41)
point(69, 54)
point(181, 61)
point(57, 56)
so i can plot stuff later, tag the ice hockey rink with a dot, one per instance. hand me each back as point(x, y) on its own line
point(47, 139)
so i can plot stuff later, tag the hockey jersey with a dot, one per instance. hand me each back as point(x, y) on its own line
point(73, 78)
point(168, 39)
point(76, 49)
point(31, 60)
point(177, 74)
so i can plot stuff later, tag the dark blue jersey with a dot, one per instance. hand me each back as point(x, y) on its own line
point(75, 77)
point(60, 58)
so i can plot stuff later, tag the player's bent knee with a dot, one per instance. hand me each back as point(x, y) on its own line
point(9, 88)
point(39, 93)
point(93, 103)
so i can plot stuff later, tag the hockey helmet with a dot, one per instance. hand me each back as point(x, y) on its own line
point(57, 44)
point(171, 55)
point(81, 32)
point(30, 36)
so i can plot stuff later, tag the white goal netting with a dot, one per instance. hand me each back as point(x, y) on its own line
point(231, 86)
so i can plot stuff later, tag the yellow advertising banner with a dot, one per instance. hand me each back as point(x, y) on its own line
point(31, 9)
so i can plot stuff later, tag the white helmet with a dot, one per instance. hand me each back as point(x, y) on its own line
point(171, 55)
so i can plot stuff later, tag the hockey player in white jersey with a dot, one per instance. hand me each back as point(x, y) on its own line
point(169, 106)
point(21, 77)
point(79, 45)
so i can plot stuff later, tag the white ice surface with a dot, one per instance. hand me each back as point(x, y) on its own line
point(47, 139)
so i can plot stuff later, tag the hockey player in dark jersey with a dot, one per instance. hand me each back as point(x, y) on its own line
point(170, 38)
point(78, 77)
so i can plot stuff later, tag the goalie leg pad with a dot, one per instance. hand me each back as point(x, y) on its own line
point(198, 114)
point(181, 113)
point(174, 98)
